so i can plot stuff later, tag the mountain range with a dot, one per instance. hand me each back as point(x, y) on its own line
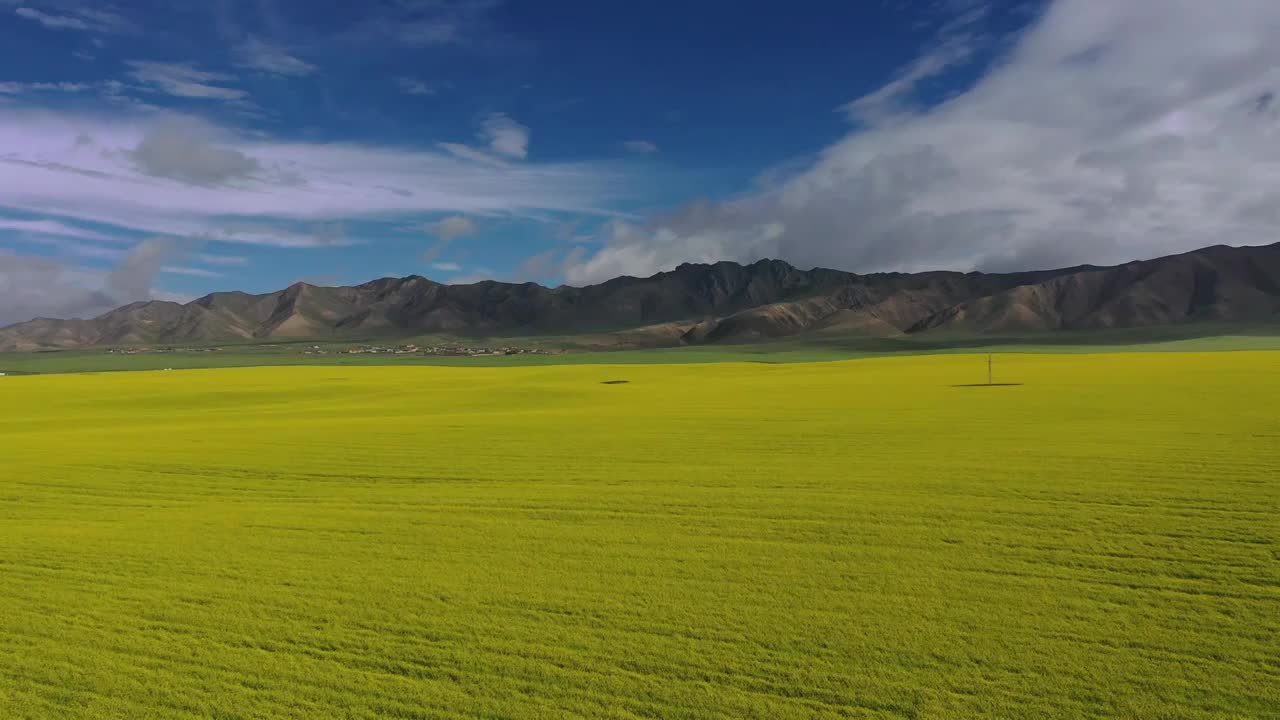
point(723, 302)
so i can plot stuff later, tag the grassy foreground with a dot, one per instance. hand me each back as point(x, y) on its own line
point(855, 539)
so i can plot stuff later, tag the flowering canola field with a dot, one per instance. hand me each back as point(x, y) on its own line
point(863, 539)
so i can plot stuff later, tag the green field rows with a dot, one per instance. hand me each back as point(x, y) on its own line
point(811, 348)
point(739, 540)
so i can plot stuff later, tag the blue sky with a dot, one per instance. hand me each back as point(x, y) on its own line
point(169, 149)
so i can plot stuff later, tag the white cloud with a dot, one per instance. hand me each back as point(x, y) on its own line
point(412, 86)
point(17, 88)
point(192, 271)
point(53, 22)
point(212, 259)
point(41, 287)
point(1110, 130)
point(445, 232)
point(51, 227)
point(259, 55)
point(454, 226)
point(131, 278)
point(190, 150)
point(88, 19)
point(258, 233)
point(505, 136)
point(67, 246)
point(450, 267)
point(640, 146)
point(184, 80)
point(466, 152)
point(549, 264)
point(638, 251)
point(255, 190)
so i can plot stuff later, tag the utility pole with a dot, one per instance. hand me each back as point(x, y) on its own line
point(988, 368)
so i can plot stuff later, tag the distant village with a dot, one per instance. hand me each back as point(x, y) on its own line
point(456, 350)
point(150, 350)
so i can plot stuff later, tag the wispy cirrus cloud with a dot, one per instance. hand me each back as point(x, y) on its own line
point(19, 88)
point(51, 227)
point(470, 154)
point(88, 19)
point(190, 271)
point(413, 86)
point(955, 44)
point(427, 23)
point(180, 176)
point(213, 259)
point(257, 54)
point(63, 246)
point(642, 147)
point(184, 80)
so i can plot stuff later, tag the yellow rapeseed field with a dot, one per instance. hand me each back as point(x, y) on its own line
point(855, 539)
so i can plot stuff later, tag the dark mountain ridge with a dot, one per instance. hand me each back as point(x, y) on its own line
point(707, 303)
